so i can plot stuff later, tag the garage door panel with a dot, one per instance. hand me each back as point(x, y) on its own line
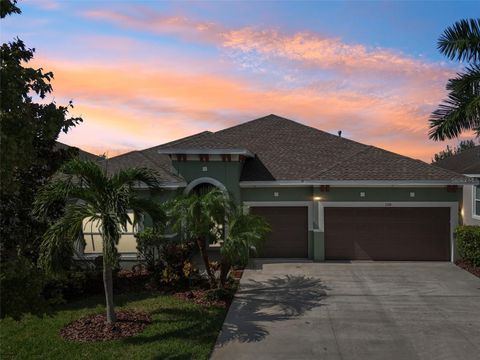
point(387, 233)
point(289, 235)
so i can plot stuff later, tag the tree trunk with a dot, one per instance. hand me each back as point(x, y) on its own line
point(108, 285)
point(224, 269)
point(202, 245)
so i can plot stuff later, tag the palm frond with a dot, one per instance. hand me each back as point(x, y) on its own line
point(461, 41)
point(86, 173)
point(461, 111)
point(58, 191)
point(148, 207)
point(133, 176)
point(58, 241)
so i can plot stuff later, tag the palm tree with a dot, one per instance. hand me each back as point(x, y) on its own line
point(91, 194)
point(196, 216)
point(461, 111)
point(246, 234)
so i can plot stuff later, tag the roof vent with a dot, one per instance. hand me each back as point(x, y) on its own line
point(339, 133)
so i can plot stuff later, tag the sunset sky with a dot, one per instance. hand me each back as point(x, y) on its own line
point(144, 73)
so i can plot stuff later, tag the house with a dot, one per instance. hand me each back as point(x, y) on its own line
point(326, 197)
point(467, 162)
point(82, 154)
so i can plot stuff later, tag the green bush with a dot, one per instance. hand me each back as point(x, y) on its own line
point(468, 241)
point(21, 284)
point(149, 245)
point(168, 260)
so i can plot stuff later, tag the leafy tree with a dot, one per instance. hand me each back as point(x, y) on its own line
point(106, 200)
point(196, 216)
point(246, 234)
point(28, 133)
point(449, 151)
point(28, 157)
point(461, 110)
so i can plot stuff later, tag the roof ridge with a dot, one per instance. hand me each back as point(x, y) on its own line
point(179, 141)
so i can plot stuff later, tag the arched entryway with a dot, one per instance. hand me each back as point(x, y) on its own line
point(202, 186)
point(204, 183)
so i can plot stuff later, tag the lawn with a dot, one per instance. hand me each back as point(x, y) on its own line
point(179, 330)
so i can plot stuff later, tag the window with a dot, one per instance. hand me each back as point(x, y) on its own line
point(476, 200)
point(93, 239)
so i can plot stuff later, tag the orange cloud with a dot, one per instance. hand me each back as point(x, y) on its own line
point(147, 106)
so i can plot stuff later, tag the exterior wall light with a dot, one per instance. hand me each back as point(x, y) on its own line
point(317, 198)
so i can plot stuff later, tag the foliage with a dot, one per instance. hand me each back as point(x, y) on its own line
point(176, 267)
point(461, 111)
point(449, 151)
point(149, 246)
point(20, 287)
point(180, 330)
point(468, 242)
point(197, 217)
point(28, 133)
point(246, 234)
point(90, 193)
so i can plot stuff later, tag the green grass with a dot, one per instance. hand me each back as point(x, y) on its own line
point(179, 330)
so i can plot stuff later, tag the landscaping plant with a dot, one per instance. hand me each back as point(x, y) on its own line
point(246, 234)
point(460, 112)
point(92, 194)
point(196, 216)
point(468, 241)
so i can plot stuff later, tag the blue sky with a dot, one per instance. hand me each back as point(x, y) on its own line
point(142, 73)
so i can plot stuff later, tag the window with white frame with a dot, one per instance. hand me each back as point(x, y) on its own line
point(476, 200)
point(93, 238)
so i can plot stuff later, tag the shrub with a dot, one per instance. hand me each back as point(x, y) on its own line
point(75, 284)
point(149, 245)
point(21, 285)
point(167, 260)
point(468, 240)
point(174, 267)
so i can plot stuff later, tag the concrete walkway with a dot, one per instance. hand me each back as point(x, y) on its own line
point(360, 310)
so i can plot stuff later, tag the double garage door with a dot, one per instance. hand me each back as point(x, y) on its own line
point(361, 233)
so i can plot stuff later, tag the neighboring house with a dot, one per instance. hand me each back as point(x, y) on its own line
point(325, 197)
point(82, 154)
point(468, 163)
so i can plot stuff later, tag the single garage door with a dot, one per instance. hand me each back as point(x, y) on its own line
point(289, 236)
point(387, 233)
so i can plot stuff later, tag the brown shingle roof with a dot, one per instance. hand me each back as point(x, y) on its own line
point(466, 162)
point(82, 154)
point(151, 159)
point(287, 150)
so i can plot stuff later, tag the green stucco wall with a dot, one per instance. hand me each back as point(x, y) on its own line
point(349, 194)
point(228, 173)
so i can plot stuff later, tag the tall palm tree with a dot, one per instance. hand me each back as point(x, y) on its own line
point(197, 216)
point(461, 111)
point(246, 234)
point(91, 194)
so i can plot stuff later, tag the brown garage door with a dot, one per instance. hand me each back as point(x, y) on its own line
point(289, 236)
point(387, 233)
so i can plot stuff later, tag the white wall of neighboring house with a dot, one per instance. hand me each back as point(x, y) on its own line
point(470, 195)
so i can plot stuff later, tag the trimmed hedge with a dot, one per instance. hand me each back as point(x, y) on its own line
point(468, 241)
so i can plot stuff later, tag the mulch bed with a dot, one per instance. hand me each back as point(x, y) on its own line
point(466, 265)
point(95, 327)
point(199, 297)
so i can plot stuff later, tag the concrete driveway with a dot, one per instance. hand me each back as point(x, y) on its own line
point(359, 310)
